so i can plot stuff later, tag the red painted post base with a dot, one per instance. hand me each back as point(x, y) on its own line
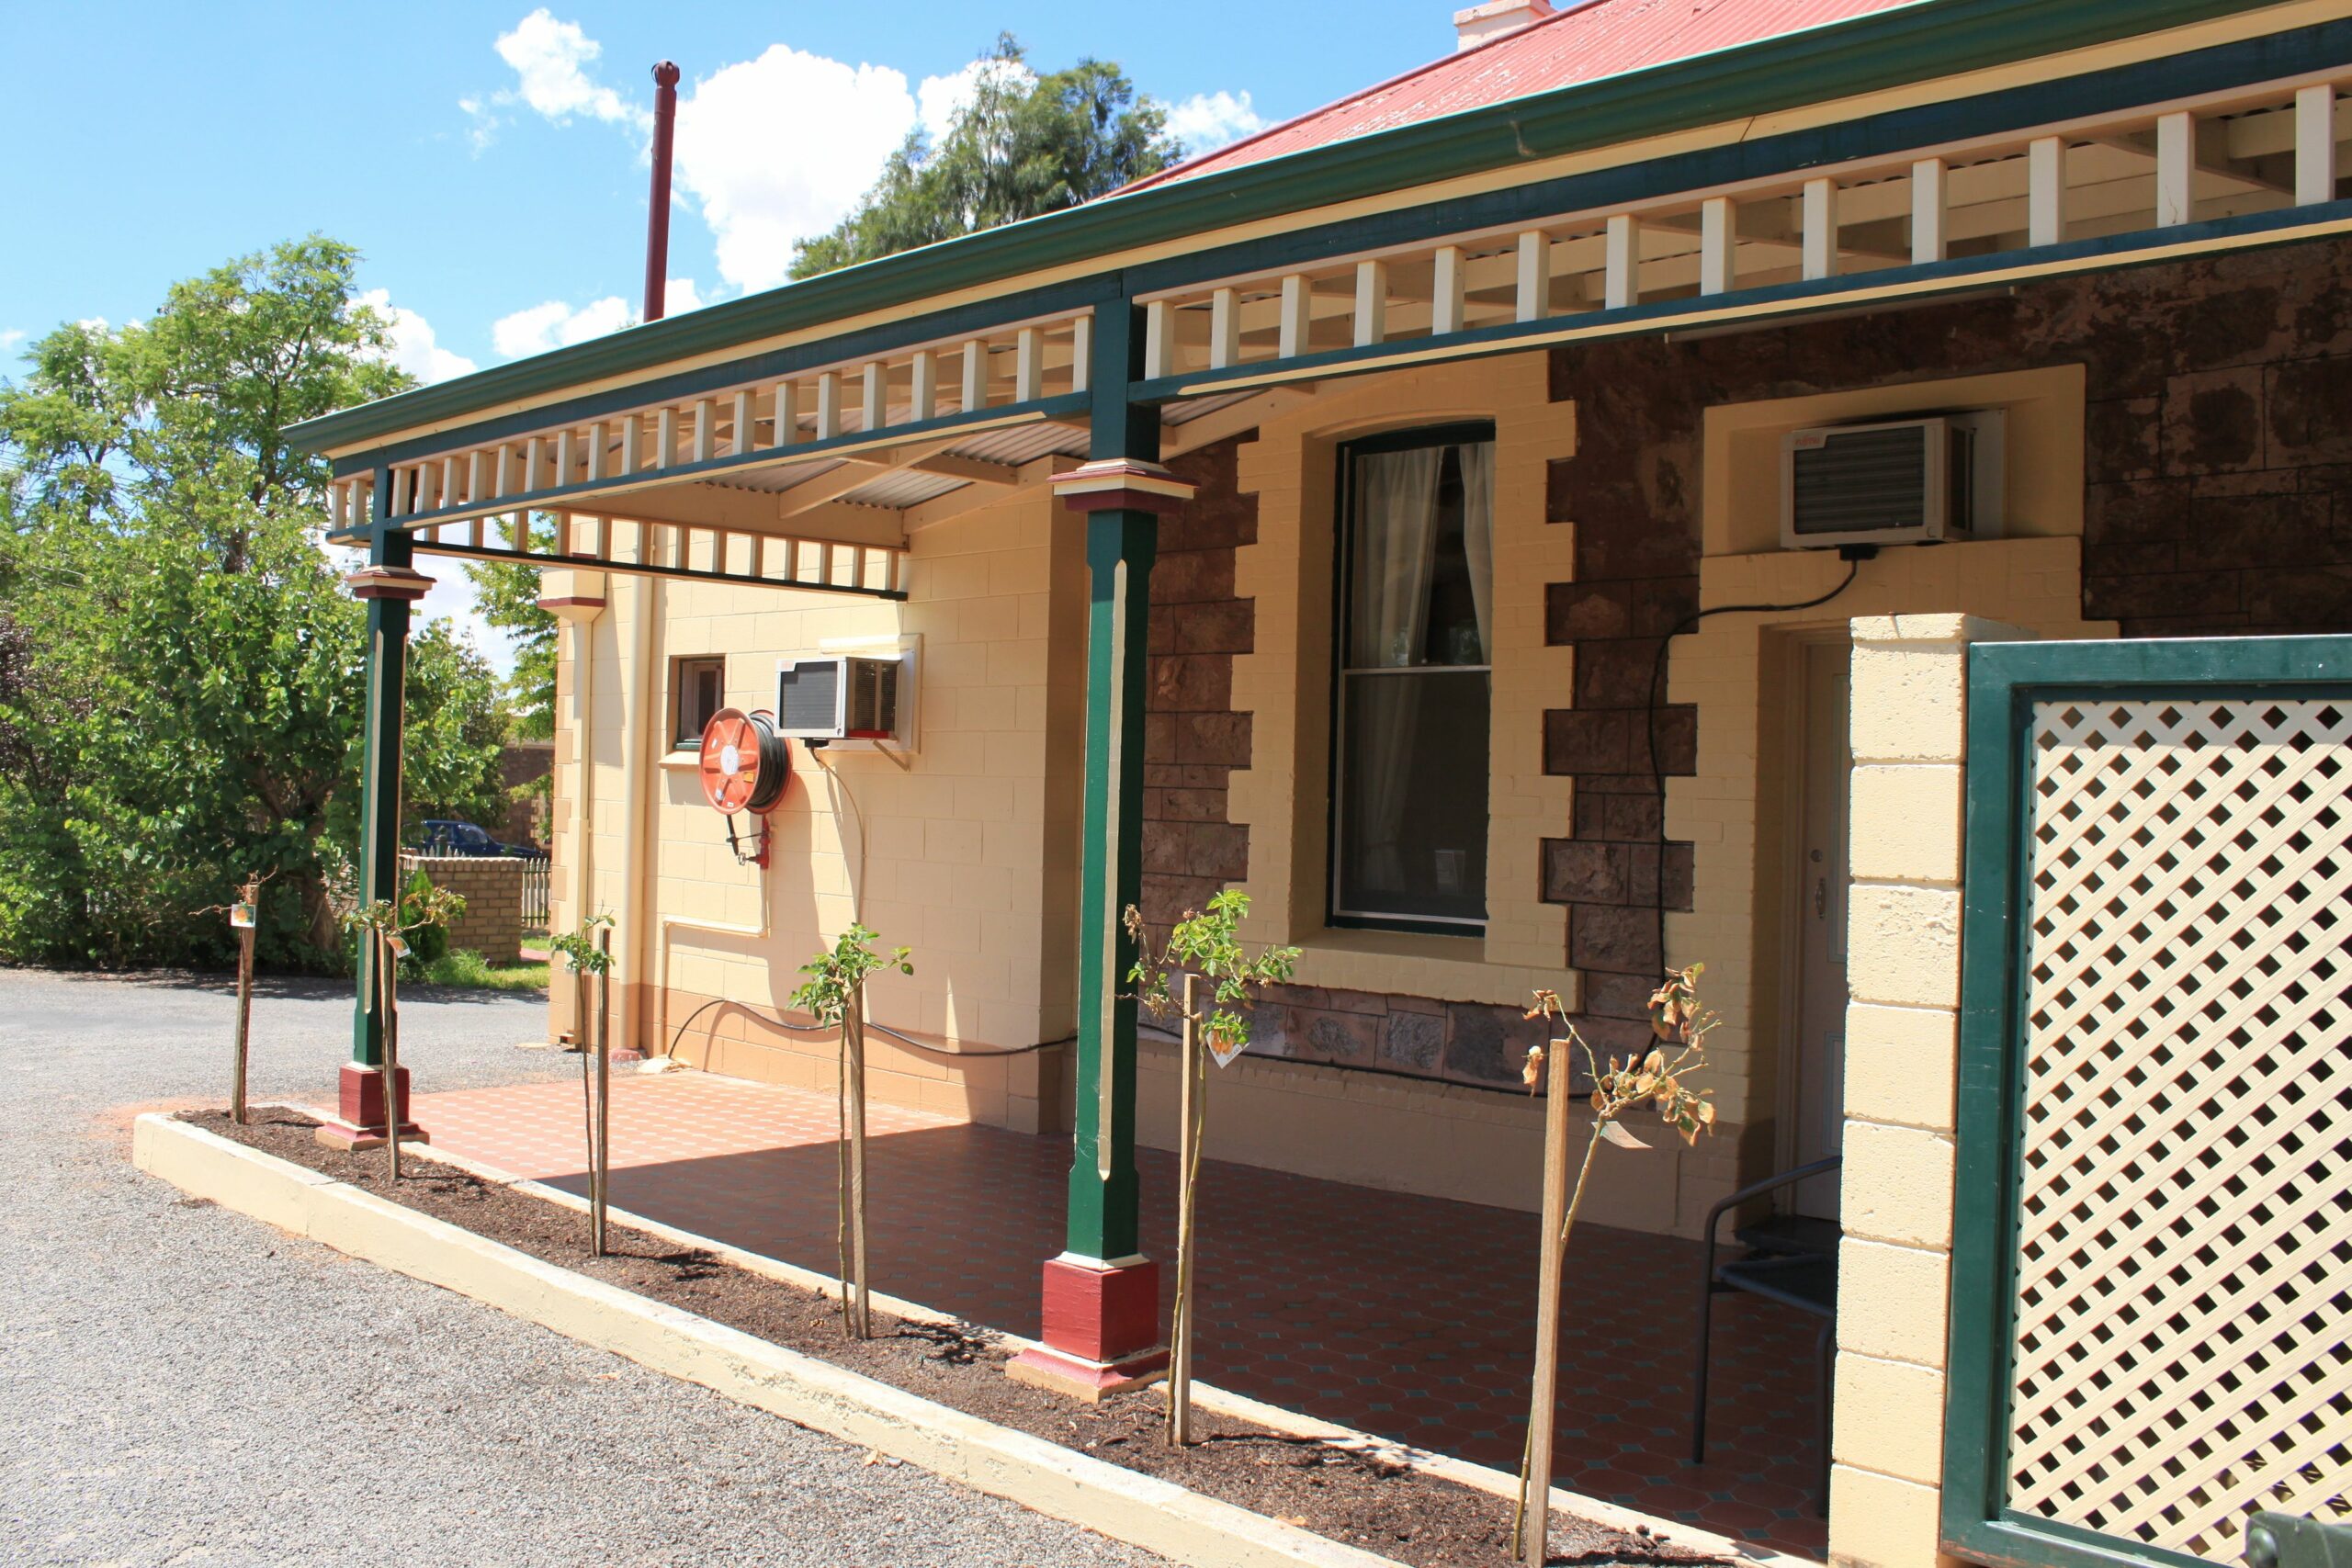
point(359, 1120)
point(1101, 1329)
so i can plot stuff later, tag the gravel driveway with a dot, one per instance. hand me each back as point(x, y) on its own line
point(182, 1384)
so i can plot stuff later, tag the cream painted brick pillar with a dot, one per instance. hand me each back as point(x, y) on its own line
point(1909, 733)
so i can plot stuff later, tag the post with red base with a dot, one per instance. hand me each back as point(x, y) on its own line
point(389, 584)
point(1101, 1295)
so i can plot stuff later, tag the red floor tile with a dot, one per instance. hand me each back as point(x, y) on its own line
point(1401, 1315)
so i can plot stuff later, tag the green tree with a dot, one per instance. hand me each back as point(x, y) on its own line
point(181, 683)
point(1025, 145)
point(507, 594)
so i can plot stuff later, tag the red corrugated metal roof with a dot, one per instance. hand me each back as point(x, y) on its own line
point(1595, 39)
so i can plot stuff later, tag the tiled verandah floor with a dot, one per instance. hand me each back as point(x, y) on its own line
point(1404, 1317)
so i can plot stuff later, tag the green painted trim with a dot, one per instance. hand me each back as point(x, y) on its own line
point(1909, 43)
point(1105, 1220)
point(2005, 681)
point(380, 774)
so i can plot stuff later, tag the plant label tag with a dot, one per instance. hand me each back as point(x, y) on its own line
point(1223, 1051)
point(1616, 1134)
point(241, 916)
point(398, 944)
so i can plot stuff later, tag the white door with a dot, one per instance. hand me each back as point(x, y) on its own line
point(1820, 1104)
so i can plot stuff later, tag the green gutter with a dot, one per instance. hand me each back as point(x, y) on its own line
point(1910, 43)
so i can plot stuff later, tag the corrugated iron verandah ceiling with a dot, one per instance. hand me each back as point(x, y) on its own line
point(815, 522)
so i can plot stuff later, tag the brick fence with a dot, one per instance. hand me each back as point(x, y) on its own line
point(492, 889)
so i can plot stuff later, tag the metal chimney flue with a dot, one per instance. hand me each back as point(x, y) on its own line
point(657, 216)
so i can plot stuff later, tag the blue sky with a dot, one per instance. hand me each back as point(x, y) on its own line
point(488, 158)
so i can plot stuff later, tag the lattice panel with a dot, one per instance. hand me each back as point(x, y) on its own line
point(2185, 1226)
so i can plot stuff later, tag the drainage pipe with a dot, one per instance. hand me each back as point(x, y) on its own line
point(640, 733)
point(578, 601)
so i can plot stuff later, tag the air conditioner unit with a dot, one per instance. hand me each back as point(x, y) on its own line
point(842, 696)
point(1903, 481)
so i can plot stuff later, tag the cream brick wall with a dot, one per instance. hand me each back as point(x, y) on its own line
point(1284, 682)
point(1909, 737)
point(1738, 668)
point(492, 886)
point(947, 852)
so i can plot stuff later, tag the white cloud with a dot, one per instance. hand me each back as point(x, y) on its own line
point(11, 337)
point(771, 152)
point(453, 597)
point(551, 60)
point(414, 347)
point(1207, 121)
point(553, 64)
point(555, 325)
point(777, 150)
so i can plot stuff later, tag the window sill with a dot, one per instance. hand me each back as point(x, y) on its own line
point(676, 757)
point(1414, 964)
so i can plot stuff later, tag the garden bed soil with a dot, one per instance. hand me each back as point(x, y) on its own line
point(1363, 1499)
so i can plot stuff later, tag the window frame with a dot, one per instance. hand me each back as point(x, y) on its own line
point(683, 668)
point(1458, 432)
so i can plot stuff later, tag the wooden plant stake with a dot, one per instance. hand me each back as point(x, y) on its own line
point(1680, 1025)
point(588, 1114)
point(388, 976)
point(589, 950)
point(386, 921)
point(246, 918)
point(853, 1047)
point(834, 993)
point(600, 1180)
point(1535, 1479)
point(1192, 1122)
point(1218, 979)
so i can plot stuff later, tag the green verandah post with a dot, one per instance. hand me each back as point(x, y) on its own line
point(390, 585)
point(1101, 1296)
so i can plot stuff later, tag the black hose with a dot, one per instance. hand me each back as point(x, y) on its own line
point(779, 1022)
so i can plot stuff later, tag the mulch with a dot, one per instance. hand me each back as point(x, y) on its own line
point(1367, 1500)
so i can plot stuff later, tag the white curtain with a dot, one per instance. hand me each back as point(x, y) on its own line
point(1478, 536)
point(1395, 558)
point(1395, 555)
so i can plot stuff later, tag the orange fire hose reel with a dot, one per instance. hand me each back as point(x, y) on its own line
point(746, 766)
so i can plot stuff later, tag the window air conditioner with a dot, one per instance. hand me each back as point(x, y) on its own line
point(1892, 482)
point(838, 697)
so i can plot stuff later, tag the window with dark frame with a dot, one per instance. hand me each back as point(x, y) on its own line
point(1413, 692)
point(697, 691)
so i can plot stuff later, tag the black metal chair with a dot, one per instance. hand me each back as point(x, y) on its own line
point(1791, 1259)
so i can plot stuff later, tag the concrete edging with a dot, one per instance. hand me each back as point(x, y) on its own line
point(1499, 1483)
point(1125, 1505)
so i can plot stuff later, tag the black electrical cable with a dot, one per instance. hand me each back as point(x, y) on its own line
point(1853, 555)
point(680, 1032)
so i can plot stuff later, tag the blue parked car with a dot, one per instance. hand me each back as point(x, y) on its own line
point(447, 836)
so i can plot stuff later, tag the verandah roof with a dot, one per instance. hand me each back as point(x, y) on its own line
point(853, 407)
point(1904, 44)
